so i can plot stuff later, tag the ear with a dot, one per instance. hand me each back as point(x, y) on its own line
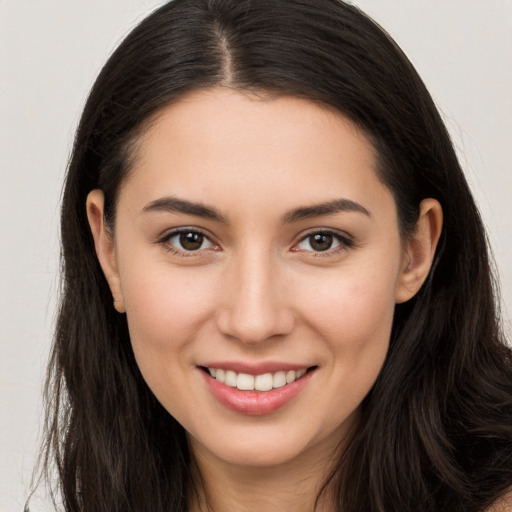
point(104, 244)
point(419, 250)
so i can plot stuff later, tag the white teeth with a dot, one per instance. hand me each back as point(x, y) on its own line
point(230, 379)
point(219, 375)
point(245, 382)
point(263, 382)
point(279, 379)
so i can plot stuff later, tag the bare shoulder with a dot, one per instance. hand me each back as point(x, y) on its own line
point(503, 504)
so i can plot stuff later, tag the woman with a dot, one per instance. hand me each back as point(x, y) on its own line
point(277, 293)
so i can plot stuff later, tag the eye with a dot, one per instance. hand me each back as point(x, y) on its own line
point(323, 241)
point(187, 240)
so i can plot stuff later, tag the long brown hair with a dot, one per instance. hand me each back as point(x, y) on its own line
point(436, 429)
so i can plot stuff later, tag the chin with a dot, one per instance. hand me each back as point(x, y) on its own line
point(269, 447)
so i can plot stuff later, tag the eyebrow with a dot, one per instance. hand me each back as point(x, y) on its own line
point(328, 208)
point(175, 205)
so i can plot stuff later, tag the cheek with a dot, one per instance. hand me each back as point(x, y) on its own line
point(165, 310)
point(353, 314)
point(357, 307)
point(354, 321)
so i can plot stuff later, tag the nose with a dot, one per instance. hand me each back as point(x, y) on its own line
point(255, 306)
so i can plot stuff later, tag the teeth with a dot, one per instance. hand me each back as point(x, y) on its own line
point(279, 379)
point(230, 379)
point(245, 382)
point(263, 382)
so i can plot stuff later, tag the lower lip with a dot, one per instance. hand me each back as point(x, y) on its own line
point(255, 403)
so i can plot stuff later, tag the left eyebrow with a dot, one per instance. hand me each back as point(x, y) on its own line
point(328, 208)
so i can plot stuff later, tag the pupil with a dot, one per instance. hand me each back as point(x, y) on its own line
point(191, 241)
point(321, 242)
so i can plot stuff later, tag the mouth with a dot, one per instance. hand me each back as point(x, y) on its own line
point(262, 382)
point(256, 388)
point(256, 391)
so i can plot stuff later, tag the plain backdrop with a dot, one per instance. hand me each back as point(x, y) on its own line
point(50, 53)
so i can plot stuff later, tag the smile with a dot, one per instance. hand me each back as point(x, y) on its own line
point(262, 382)
point(256, 391)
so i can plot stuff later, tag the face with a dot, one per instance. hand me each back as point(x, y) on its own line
point(258, 259)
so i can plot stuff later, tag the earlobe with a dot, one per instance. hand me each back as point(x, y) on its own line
point(420, 250)
point(104, 245)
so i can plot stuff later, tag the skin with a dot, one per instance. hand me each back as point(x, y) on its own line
point(257, 289)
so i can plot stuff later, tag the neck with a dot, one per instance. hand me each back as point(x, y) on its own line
point(291, 486)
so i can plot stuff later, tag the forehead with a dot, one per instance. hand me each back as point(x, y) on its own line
point(218, 142)
point(219, 116)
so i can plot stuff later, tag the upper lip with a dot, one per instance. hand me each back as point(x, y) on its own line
point(254, 368)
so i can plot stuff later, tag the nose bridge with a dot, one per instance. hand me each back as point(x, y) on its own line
point(256, 308)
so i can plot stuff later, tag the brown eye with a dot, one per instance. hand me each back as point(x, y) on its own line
point(186, 241)
point(191, 241)
point(321, 241)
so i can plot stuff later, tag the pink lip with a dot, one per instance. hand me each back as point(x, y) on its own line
point(255, 403)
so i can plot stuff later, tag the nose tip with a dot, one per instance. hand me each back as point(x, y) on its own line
point(253, 328)
point(256, 308)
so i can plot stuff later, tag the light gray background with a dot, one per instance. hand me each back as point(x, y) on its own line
point(50, 53)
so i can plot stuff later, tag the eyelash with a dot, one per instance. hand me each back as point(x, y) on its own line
point(343, 241)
